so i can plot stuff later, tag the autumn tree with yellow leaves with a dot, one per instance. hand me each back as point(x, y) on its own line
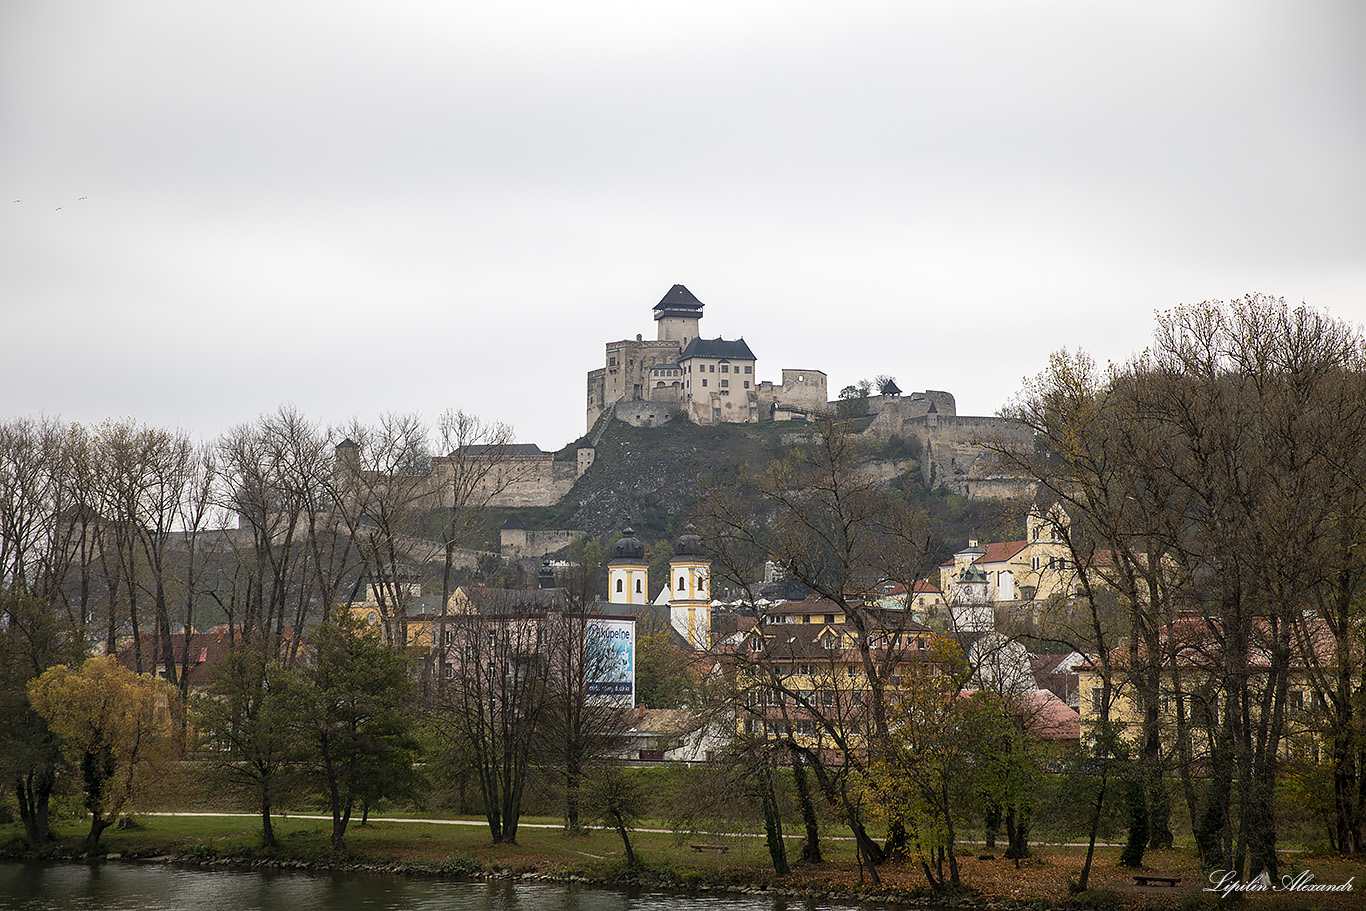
point(115, 726)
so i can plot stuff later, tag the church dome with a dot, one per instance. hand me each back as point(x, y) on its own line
point(628, 547)
point(690, 545)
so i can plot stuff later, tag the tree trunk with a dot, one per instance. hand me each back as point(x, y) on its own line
point(1136, 809)
point(1017, 831)
point(97, 827)
point(811, 844)
point(991, 823)
point(1091, 838)
point(267, 830)
point(340, 817)
point(1159, 810)
point(572, 826)
point(626, 841)
point(33, 792)
point(773, 824)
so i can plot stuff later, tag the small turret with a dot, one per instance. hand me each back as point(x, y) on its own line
point(628, 573)
point(690, 590)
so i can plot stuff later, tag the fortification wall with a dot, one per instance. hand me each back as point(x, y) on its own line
point(803, 389)
point(958, 454)
point(517, 543)
point(893, 411)
point(956, 450)
point(536, 480)
point(802, 393)
point(646, 414)
point(597, 391)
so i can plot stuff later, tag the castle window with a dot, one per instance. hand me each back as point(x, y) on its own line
point(704, 382)
point(682, 583)
point(701, 584)
point(637, 586)
point(711, 368)
point(725, 368)
point(725, 383)
point(619, 588)
point(749, 368)
point(746, 384)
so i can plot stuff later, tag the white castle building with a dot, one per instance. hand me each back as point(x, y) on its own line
point(712, 381)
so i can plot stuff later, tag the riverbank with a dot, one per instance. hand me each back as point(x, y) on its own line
point(725, 863)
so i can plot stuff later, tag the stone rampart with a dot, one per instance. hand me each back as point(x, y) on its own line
point(646, 414)
point(512, 480)
point(517, 543)
point(957, 450)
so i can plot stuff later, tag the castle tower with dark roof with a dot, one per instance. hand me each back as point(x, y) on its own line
point(677, 314)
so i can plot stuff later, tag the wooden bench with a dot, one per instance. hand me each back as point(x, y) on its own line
point(719, 849)
point(1156, 880)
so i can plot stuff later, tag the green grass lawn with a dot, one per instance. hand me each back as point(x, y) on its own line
point(598, 853)
point(440, 848)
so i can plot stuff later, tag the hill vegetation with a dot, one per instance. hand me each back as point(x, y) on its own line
point(652, 480)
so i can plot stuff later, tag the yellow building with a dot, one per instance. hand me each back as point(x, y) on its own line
point(802, 670)
point(1034, 569)
point(1203, 698)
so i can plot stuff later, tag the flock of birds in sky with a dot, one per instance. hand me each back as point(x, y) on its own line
point(58, 209)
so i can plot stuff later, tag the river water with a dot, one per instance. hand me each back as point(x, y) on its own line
point(158, 887)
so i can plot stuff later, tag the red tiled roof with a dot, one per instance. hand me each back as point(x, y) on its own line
point(999, 552)
point(1049, 718)
point(922, 586)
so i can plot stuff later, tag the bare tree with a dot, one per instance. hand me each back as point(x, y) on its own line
point(384, 491)
point(295, 554)
point(1212, 474)
point(496, 696)
point(581, 726)
point(834, 528)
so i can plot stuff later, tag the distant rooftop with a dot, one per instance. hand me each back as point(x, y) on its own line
point(511, 449)
point(717, 347)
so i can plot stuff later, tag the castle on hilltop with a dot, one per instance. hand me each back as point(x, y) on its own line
point(712, 381)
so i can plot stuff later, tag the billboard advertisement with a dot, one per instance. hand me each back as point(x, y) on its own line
point(611, 654)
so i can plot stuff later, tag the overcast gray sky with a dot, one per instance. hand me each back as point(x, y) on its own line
point(360, 207)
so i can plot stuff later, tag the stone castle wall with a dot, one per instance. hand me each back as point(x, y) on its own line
point(534, 480)
point(893, 410)
point(646, 414)
point(597, 394)
point(517, 543)
point(955, 450)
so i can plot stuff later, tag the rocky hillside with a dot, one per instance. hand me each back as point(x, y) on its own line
point(652, 478)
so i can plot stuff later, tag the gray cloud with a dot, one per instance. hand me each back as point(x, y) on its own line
point(415, 206)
